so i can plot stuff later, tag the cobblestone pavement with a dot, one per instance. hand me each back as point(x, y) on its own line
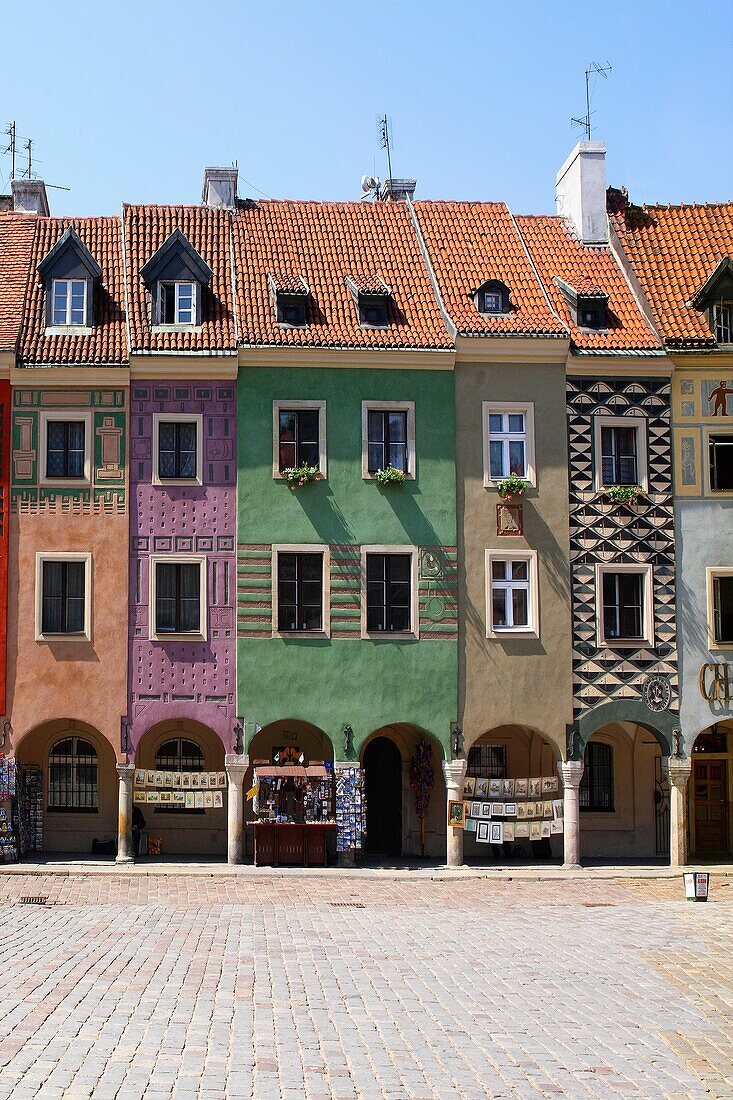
point(275, 989)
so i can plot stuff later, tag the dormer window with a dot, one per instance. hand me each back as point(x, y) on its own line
point(588, 304)
point(492, 297)
point(290, 294)
point(176, 303)
point(721, 322)
point(71, 276)
point(591, 313)
point(176, 277)
point(69, 302)
point(716, 297)
point(371, 296)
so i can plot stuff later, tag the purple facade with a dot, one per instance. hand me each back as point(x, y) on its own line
point(194, 679)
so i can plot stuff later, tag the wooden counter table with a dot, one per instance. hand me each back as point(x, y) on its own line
point(287, 844)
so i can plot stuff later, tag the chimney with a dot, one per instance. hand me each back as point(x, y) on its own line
point(398, 190)
point(220, 188)
point(580, 191)
point(29, 196)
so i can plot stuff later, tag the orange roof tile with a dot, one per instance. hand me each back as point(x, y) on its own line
point(557, 253)
point(673, 251)
point(107, 342)
point(209, 232)
point(16, 244)
point(325, 243)
point(470, 243)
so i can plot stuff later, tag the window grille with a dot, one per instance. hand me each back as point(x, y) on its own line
point(73, 777)
point(65, 448)
point(596, 786)
point(177, 450)
point(488, 761)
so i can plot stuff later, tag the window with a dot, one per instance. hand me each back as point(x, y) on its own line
point(65, 451)
point(596, 786)
point(178, 597)
point(388, 436)
point(720, 456)
point(63, 597)
point(389, 578)
point(722, 322)
point(69, 302)
point(620, 451)
point(508, 442)
point(299, 429)
point(618, 455)
point(626, 605)
point(291, 310)
point(492, 297)
point(591, 313)
point(299, 591)
point(179, 755)
point(177, 448)
point(491, 302)
point(511, 593)
point(720, 606)
point(177, 303)
point(73, 777)
point(487, 761)
point(373, 312)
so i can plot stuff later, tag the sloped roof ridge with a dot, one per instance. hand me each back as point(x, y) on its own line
point(686, 205)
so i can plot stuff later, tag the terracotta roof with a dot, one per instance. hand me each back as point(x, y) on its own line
point(107, 342)
point(287, 283)
point(209, 233)
point(470, 243)
point(557, 253)
point(16, 244)
point(368, 283)
point(673, 251)
point(325, 243)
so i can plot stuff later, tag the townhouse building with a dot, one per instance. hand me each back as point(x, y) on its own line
point(680, 261)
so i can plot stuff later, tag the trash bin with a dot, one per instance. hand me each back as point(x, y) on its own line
point(697, 885)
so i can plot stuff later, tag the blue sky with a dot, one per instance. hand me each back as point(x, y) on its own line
point(129, 100)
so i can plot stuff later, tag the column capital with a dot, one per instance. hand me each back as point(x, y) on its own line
point(454, 772)
point(126, 772)
point(677, 769)
point(571, 772)
point(236, 766)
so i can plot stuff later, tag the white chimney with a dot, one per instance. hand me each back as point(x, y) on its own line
point(398, 190)
point(220, 188)
point(29, 196)
point(580, 191)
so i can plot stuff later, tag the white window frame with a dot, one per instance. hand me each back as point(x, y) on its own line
point(72, 556)
point(532, 630)
point(722, 307)
point(154, 560)
point(178, 418)
point(67, 323)
point(641, 425)
point(708, 430)
point(711, 572)
point(176, 284)
point(388, 406)
point(68, 416)
point(494, 294)
point(526, 408)
point(648, 636)
point(303, 548)
point(295, 405)
point(382, 635)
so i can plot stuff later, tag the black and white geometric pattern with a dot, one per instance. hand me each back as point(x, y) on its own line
point(603, 532)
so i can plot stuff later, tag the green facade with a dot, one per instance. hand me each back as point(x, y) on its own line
point(345, 679)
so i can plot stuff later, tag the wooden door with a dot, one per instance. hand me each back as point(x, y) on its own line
point(711, 804)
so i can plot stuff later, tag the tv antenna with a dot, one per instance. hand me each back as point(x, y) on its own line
point(10, 132)
point(383, 123)
point(594, 69)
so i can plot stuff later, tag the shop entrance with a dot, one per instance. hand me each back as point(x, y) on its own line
point(383, 771)
point(711, 762)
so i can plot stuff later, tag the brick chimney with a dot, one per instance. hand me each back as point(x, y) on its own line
point(580, 191)
point(220, 188)
point(29, 196)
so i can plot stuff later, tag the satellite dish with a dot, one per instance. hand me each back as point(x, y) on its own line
point(369, 183)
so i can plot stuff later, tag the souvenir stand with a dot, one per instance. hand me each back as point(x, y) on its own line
point(21, 810)
point(350, 812)
point(294, 819)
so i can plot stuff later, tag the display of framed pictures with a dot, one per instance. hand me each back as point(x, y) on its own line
point(470, 824)
point(456, 814)
point(482, 831)
point(496, 835)
point(469, 786)
point(534, 788)
point(556, 826)
point(495, 788)
point(545, 828)
point(521, 830)
point(558, 809)
point(521, 811)
point(497, 809)
point(486, 809)
point(520, 788)
point(550, 784)
point(482, 788)
point(529, 809)
point(507, 788)
point(476, 809)
point(509, 830)
point(547, 808)
point(510, 809)
point(218, 800)
point(535, 830)
point(190, 802)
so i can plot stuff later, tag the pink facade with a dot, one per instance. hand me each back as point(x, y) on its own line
point(171, 679)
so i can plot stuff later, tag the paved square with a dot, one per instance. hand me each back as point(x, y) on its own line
point(344, 986)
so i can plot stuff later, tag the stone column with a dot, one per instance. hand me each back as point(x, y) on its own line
point(125, 849)
point(571, 772)
point(454, 772)
point(678, 771)
point(236, 767)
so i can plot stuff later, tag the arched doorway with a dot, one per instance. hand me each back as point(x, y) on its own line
point(711, 825)
point(383, 773)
